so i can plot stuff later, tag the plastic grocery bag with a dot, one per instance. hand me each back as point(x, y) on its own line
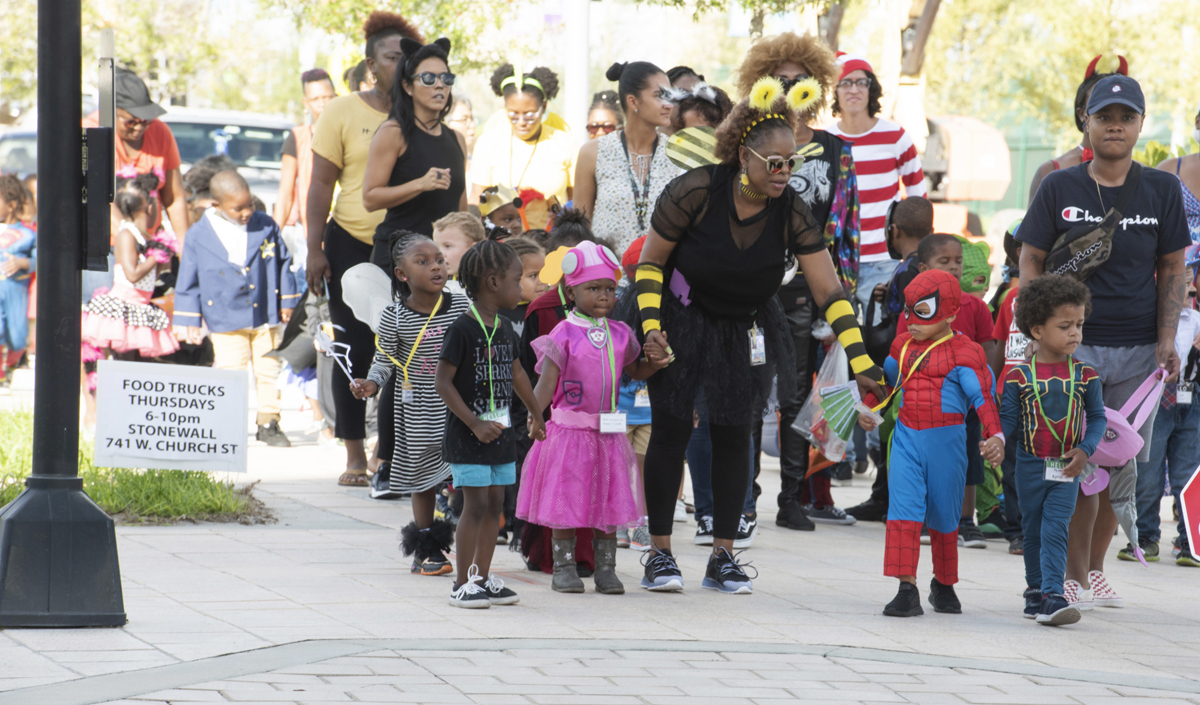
point(828, 416)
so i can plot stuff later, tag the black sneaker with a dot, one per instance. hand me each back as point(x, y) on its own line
point(943, 599)
point(1016, 546)
point(969, 535)
point(869, 510)
point(791, 516)
point(1056, 611)
point(1033, 602)
point(1149, 551)
point(434, 564)
point(726, 575)
point(662, 573)
point(1186, 558)
point(470, 595)
point(704, 529)
point(747, 530)
point(925, 538)
point(861, 466)
point(841, 474)
point(497, 594)
point(906, 603)
point(829, 515)
point(381, 483)
point(272, 435)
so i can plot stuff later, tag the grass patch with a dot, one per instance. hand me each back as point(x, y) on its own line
point(130, 496)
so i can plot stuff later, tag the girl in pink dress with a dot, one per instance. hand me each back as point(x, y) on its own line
point(584, 475)
point(123, 320)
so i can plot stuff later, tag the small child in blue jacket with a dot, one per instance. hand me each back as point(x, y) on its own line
point(235, 275)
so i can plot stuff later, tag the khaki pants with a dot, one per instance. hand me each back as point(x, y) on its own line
point(236, 349)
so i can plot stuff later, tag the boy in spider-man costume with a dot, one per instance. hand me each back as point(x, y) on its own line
point(938, 375)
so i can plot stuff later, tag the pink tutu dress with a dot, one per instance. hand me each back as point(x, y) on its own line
point(124, 320)
point(579, 477)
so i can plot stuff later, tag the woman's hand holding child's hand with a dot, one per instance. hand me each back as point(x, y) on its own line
point(363, 388)
point(992, 450)
point(537, 428)
point(1078, 460)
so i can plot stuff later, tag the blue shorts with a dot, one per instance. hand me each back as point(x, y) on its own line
point(483, 475)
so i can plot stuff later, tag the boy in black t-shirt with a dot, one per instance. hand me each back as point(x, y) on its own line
point(477, 375)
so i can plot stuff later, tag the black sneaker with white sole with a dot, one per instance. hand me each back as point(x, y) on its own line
point(662, 572)
point(726, 575)
point(381, 483)
point(1033, 602)
point(747, 530)
point(470, 595)
point(1056, 611)
point(969, 535)
point(498, 594)
point(272, 435)
point(829, 515)
point(704, 529)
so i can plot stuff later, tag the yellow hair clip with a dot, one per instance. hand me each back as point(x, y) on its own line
point(804, 95)
point(765, 92)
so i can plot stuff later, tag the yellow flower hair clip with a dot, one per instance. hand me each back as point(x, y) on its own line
point(804, 95)
point(765, 92)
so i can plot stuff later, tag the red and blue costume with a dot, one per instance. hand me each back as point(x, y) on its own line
point(938, 380)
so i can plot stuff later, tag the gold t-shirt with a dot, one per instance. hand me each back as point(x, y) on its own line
point(343, 136)
point(547, 165)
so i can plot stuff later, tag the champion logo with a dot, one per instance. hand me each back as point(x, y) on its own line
point(1074, 214)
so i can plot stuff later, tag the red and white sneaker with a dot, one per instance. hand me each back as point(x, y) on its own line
point(1075, 595)
point(1104, 594)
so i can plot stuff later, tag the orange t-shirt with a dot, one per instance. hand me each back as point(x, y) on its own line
point(159, 155)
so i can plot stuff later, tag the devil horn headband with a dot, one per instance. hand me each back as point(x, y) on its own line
point(1122, 66)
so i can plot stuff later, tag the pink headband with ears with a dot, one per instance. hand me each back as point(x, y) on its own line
point(588, 261)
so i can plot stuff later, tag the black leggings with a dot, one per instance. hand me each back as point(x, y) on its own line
point(343, 252)
point(664, 471)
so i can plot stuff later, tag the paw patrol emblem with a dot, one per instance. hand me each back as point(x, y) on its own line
point(598, 336)
point(267, 249)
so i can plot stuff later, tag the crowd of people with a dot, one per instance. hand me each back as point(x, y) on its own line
point(571, 325)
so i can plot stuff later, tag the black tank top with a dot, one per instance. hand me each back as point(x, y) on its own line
point(424, 152)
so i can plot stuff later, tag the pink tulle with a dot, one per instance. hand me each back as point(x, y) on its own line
point(89, 353)
point(104, 332)
point(580, 478)
point(91, 381)
point(546, 347)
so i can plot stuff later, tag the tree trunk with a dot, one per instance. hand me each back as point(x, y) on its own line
point(914, 53)
point(756, 22)
point(829, 24)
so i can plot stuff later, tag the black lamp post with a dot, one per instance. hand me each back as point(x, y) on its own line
point(58, 550)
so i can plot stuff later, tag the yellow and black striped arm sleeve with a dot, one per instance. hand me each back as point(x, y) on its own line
point(840, 316)
point(649, 284)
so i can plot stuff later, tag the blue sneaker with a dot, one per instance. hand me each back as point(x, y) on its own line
point(1056, 611)
point(662, 573)
point(727, 575)
point(1033, 602)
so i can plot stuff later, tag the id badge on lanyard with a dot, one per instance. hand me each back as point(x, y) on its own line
point(1054, 470)
point(1183, 392)
point(641, 400)
point(406, 392)
point(499, 415)
point(758, 347)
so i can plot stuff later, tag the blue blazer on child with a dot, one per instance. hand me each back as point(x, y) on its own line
point(227, 297)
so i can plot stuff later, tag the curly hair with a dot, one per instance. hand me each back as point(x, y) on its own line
point(767, 54)
point(713, 113)
point(541, 74)
point(1042, 296)
point(381, 24)
point(733, 131)
point(12, 192)
point(874, 95)
point(482, 260)
point(571, 227)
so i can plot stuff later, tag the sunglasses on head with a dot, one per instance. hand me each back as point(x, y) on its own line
point(776, 164)
point(428, 78)
point(604, 127)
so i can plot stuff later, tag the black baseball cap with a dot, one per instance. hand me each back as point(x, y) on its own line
point(1116, 89)
point(133, 97)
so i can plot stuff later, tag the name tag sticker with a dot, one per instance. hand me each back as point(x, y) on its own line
point(642, 399)
point(1054, 470)
point(499, 416)
point(758, 347)
point(613, 423)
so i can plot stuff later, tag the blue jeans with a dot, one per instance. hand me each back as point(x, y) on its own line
point(1174, 455)
point(1046, 509)
point(699, 462)
point(871, 275)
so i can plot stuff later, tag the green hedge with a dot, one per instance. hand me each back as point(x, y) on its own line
point(133, 494)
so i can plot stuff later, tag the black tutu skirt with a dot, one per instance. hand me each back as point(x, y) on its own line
point(715, 352)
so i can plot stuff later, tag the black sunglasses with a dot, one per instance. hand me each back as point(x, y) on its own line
point(428, 78)
point(789, 82)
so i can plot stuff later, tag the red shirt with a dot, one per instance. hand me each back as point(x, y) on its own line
point(1014, 340)
point(159, 155)
point(973, 320)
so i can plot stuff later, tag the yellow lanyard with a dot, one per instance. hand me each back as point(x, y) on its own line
point(903, 352)
point(413, 351)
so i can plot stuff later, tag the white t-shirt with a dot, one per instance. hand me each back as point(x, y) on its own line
point(231, 235)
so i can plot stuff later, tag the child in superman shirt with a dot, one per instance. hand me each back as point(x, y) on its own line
point(939, 376)
point(1045, 401)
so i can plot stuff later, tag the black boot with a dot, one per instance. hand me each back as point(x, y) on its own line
point(791, 515)
point(906, 603)
point(943, 599)
point(869, 510)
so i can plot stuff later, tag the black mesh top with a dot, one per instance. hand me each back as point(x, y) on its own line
point(696, 210)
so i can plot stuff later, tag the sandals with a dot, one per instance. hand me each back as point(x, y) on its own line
point(352, 478)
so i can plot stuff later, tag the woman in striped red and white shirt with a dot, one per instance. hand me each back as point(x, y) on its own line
point(884, 157)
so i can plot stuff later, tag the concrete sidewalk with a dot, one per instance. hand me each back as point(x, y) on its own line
point(216, 611)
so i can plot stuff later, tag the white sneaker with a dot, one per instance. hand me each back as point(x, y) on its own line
point(471, 595)
point(680, 510)
point(1074, 594)
point(1105, 596)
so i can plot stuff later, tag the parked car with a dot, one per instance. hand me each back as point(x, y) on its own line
point(18, 152)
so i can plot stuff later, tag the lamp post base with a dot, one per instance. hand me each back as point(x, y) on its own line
point(58, 559)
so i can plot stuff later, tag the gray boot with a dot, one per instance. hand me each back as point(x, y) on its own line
point(566, 579)
point(607, 582)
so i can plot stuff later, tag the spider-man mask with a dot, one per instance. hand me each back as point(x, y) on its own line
point(932, 297)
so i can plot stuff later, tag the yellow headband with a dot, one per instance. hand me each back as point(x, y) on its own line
point(762, 119)
point(520, 80)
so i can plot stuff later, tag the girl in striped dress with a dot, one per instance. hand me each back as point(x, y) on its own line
point(409, 342)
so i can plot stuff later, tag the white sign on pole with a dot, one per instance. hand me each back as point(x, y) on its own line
point(170, 416)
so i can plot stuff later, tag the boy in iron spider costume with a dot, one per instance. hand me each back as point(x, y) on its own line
point(939, 374)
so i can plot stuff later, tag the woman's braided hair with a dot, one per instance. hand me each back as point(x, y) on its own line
point(481, 261)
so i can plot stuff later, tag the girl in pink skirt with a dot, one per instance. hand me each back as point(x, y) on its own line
point(123, 320)
point(584, 475)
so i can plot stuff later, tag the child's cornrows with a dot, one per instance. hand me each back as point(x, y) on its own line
point(402, 242)
point(483, 259)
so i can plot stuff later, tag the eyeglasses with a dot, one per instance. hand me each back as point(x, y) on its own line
point(133, 122)
point(428, 78)
point(516, 118)
point(776, 164)
point(863, 83)
point(789, 82)
point(601, 127)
